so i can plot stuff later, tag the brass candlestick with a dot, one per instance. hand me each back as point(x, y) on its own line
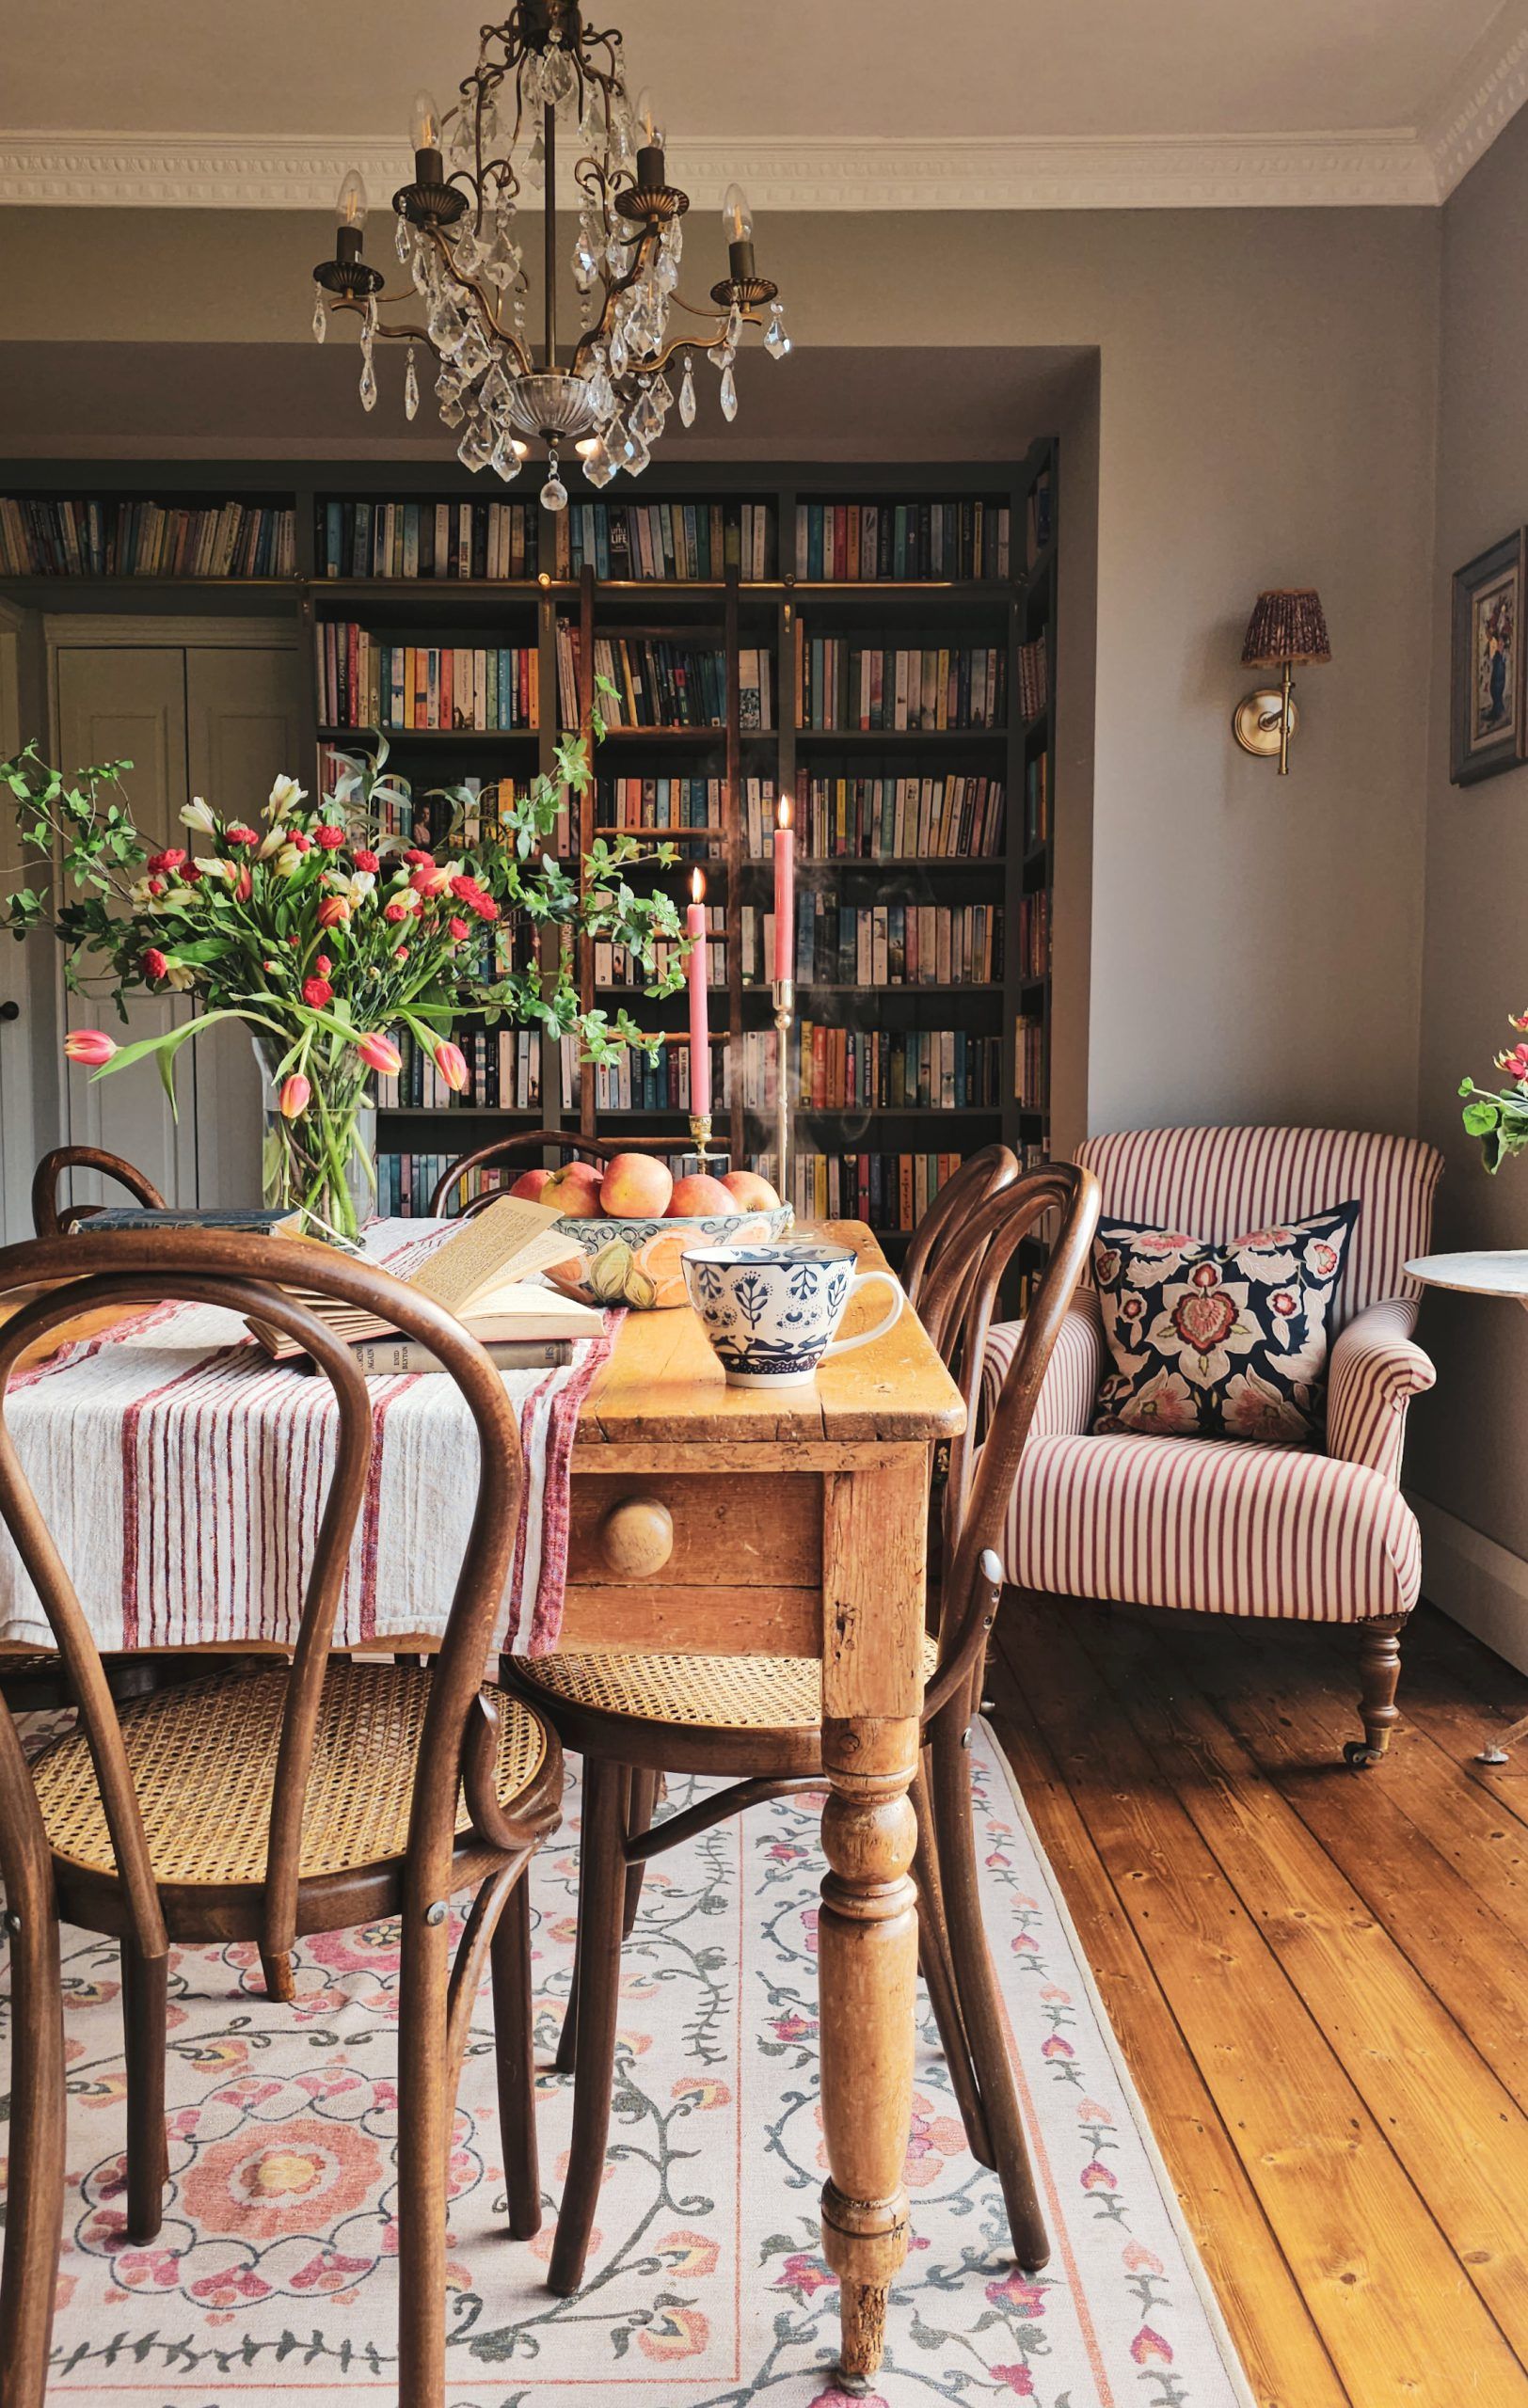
point(785, 1002)
point(700, 1130)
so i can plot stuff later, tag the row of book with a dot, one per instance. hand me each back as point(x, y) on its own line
point(616, 965)
point(145, 539)
point(504, 1073)
point(849, 1070)
point(881, 818)
point(657, 683)
point(472, 540)
point(1030, 1067)
point(889, 1191)
point(364, 681)
point(682, 540)
point(661, 807)
point(845, 682)
point(631, 1083)
point(858, 542)
point(1035, 934)
point(1034, 677)
point(894, 944)
point(1037, 818)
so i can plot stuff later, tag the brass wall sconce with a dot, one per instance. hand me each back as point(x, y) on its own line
point(1287, 630)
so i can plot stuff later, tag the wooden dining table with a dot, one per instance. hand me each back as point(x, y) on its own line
point(713, 1520)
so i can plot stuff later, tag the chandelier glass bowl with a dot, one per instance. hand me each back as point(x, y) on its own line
point(547, 95)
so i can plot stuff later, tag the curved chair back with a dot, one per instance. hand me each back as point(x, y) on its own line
point(983, 1175)
point(35, 2184)
point(124, 1270)
point(52, 1219)
point(1218, 1183)
point(958, 1312)
point(525, 1153)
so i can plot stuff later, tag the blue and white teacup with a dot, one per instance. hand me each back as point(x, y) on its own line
point(772, 1312)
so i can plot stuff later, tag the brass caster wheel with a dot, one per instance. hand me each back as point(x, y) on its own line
point(1359, 1753)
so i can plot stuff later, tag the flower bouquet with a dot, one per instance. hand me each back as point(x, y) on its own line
point(1498, 1115)
point(329, 928)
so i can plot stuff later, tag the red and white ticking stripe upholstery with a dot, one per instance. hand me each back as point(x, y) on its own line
point(1213, 1527)
point(1374, 1373)
point(1221, 1528)
point(1220, 1184)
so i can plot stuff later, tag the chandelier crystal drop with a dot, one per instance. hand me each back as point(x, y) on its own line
point(546, 109)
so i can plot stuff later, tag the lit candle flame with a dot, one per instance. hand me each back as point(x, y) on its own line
point(697, 885)
point(782, 816)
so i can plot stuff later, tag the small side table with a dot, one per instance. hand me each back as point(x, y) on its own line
point(1500, 1274)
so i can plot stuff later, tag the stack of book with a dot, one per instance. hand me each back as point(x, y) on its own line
point(364, 682)
point(1035, 934)
point(895, 944)
point(465, 539)
point(1029, 1062)
point(880, 818)
point(855, 542)
point(146, 539)
point(844, 683)
point(1034, 687)
point(682, 540)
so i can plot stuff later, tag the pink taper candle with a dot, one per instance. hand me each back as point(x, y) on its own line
point(785, 892)
point(700, 1035)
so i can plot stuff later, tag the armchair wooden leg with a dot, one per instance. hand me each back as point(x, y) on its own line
point(602, 1910)
point(1379, 1672)
point(639, 1817)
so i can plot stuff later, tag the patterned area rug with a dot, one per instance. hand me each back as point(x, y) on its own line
point(273, 2275)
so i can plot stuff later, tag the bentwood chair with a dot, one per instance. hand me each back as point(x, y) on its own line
point(52, 1219)
point(979, 1176)
point(758, 1720)
point(35, 2172)
point(311, 1796)
point(524, 1153)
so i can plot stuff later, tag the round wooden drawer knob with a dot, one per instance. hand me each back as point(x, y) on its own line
point(636, 1537)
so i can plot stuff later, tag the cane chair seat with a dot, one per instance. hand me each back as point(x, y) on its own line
point(204, 1758)
point(694, 1692)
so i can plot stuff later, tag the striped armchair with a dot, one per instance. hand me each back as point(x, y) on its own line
point(1215, 1526)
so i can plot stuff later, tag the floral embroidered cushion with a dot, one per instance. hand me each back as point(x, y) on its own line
point(1219, 1341)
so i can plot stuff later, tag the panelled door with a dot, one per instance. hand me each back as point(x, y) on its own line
point(129, 705)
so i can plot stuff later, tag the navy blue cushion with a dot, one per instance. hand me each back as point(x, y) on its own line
point(1219, 1341)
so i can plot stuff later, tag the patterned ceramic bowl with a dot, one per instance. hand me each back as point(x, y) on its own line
point(641, 1263)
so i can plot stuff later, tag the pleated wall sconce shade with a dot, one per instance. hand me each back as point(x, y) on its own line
point(1290, 626)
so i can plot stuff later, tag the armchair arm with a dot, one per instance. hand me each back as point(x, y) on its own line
point(1376, 1370)
point(1065, 1403)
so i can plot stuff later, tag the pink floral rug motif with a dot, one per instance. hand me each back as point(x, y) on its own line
point(275, 2275)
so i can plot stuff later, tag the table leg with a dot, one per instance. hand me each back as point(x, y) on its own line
point(873, 1538)
point(868, 1956)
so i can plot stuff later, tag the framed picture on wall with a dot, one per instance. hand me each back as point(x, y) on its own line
point(1489, 718)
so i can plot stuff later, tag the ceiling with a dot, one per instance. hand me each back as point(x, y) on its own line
point(865, 104)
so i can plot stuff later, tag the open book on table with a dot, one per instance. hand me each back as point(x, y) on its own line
point(483, 1274)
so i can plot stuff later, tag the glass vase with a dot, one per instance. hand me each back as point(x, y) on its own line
point(320, 1161)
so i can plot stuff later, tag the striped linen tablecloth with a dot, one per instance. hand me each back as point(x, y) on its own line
point(183, 1474)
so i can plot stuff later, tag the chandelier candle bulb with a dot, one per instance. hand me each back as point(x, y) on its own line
point(651, 176)
point(737, 226)
point(700, 1035)
point(424, 136)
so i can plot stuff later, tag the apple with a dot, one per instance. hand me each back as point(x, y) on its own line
point(636, 1187)
point(699, 1196)
point(590, 1173)
point(749, 1193)
point(530, 1184)
point(574, 1198)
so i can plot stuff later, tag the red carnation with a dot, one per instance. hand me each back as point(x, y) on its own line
point(191, 872)
point(321, 964)
point(396, 912)
point(317, 991)
point(154, 964)
point(170, 859)
point(466, 890)
point(458, 930)
point(485, 905)
point(243, 836)
point(156, 886)
point(330, 837)
point(365, 860)
point(304, 844)
point(418, 858)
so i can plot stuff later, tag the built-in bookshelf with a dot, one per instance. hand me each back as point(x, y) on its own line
point(878, 644)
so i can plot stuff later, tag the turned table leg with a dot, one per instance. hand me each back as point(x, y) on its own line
point(867, 1958)
point(873, 1538)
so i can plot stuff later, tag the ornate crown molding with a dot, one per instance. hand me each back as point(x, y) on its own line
point(1488, 91)
point(1286, 171)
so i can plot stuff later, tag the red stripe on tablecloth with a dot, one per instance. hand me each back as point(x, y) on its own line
point(132, 1415)
point(82, 1350)
point(551, 1589)
point(371, 1510)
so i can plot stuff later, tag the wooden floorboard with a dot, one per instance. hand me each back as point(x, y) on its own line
point(1320, 1976)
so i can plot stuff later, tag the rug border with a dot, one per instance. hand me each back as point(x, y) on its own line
point(1198, 2273)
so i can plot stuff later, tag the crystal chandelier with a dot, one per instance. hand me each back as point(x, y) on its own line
point(544, 81)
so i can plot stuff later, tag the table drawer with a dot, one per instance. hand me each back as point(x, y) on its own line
point(759, 1529)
